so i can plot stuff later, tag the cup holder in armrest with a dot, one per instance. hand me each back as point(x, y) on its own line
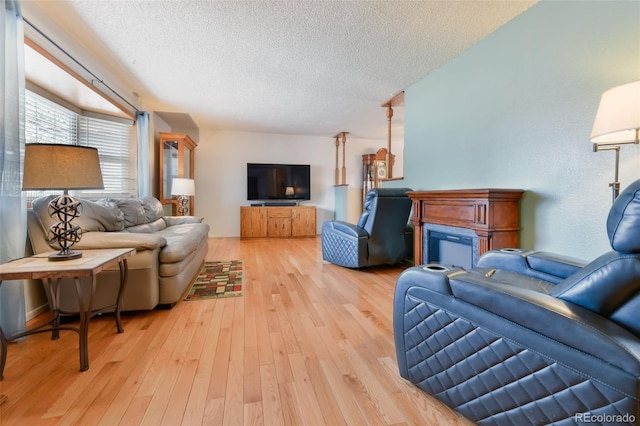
point(434, 267)
point(511, 250)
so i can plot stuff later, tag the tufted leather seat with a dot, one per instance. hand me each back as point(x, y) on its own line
point(380, 237)
point(530, 337)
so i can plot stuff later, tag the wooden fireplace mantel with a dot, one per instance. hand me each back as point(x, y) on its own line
point(492, 213)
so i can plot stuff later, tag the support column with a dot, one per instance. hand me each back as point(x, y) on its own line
point(397, 100)
point(337, 180)
point(343, 136)
point(388, 159)
point(344, 164)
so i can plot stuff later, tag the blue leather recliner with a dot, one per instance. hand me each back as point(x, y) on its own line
point(530, 337)
point(380, 237)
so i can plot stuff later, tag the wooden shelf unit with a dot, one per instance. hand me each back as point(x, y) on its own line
point(176, 161)
point(277, 222)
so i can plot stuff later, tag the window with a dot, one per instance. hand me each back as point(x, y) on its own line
point(48, 122)
point(112, 140)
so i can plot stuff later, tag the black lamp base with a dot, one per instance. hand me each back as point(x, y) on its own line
point(56, 257)
point(183, 205)
point(65, 208)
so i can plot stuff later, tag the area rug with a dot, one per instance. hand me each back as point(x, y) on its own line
point(217, 279)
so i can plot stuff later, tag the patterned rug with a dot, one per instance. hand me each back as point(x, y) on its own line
point(217, 279)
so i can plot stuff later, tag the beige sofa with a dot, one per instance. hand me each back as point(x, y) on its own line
point(170, 250)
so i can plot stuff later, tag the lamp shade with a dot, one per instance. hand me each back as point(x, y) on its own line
point(289, 191)
point(181, 186)
point(55, 166)
point(618, 116)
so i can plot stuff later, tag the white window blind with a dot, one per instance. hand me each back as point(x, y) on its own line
point(112, 141)
point(48, 122)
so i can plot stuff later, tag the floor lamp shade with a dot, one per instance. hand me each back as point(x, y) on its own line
point(55, 166)
point(618, 116)
point(617, 123)
point(62, 167)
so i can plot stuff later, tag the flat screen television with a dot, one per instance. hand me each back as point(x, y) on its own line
point(278, 181)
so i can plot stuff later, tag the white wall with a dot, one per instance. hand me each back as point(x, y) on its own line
point(221, 181)
point(516, 111)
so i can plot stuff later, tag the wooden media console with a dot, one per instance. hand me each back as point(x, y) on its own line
point(277, 222)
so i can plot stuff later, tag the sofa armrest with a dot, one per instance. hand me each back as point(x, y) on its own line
point(345, 228)
point(102, 240)
point(562, 321)
point(546, 266)
point(180, 220)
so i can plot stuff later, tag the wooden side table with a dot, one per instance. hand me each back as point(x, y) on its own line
point(90, 265)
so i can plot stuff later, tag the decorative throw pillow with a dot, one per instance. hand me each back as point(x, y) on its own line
point(133, 211)
point(102, 215)
point(41, 207)
point(152, 209)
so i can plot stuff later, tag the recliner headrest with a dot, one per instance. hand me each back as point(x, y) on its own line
point(387, 192)
point(623, 222)
point(372, 196)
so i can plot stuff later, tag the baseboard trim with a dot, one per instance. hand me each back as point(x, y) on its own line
point(37, 311)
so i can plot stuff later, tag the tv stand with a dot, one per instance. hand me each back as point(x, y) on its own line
point(269, 221)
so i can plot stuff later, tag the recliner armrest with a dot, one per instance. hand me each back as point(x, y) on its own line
point(557, 319)
point(346, 228)
point(554, 264)
point(546, 266)
point(432, 277)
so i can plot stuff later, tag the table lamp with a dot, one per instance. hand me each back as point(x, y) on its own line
point(183, 188)
point(617, 123)
point(62, 167)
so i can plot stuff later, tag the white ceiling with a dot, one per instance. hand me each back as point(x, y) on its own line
point(293, 67)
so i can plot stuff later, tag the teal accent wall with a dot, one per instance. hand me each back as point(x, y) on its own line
point(516, 110)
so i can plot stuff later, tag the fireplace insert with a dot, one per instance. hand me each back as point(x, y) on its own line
point(449, 249)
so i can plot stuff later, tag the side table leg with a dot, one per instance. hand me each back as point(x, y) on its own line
point(3, 348)
point(124, 271)
point(85, 316)
point(3, 355)
point(52, 287)
point(3, 359)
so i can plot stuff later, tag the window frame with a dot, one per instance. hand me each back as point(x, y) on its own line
point(61, 122)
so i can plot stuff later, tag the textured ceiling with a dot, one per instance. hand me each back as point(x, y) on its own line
point(293, 67)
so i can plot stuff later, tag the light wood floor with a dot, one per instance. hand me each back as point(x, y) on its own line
point(309, 343)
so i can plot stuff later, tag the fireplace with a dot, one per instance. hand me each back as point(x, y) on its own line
point(450, 245)
point(456, 227)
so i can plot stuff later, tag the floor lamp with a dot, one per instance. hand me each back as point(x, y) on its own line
point(617, 123)
point(62, 167)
